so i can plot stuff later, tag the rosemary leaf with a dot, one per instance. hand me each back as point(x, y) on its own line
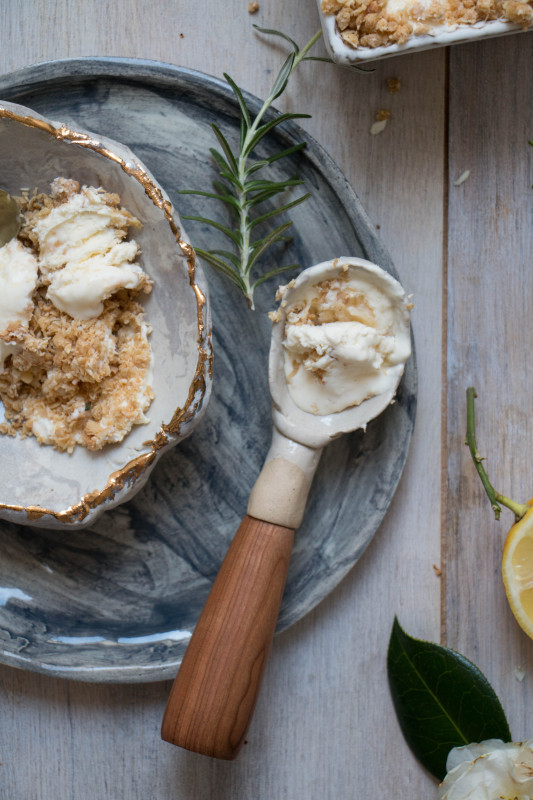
point(272, 273)
point(273, 32)
point(224, 198)
point(231, 257)
point(288, 152)
point(257, 166)
point(280, 210)
point(221, 266)
point(267, 194)
point(240, 99)
point(231, 161)
point(235, 237)
point(278, 186)
point(269, 240)
point(268, 126)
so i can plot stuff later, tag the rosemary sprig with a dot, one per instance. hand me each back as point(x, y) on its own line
point(242, 190)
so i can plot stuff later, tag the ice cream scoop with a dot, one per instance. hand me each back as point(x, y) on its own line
point(214, 694)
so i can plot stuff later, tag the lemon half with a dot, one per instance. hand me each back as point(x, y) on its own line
point(517, 571)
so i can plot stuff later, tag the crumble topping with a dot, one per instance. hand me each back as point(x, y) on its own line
point(376, 23)
point(74, 352)
point(393, 85)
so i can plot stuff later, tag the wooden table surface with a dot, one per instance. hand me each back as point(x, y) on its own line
point(324, 726)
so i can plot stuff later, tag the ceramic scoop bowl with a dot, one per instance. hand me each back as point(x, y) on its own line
point(214, 694)
point(40, 485)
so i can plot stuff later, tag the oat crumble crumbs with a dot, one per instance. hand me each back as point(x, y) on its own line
point(253, 7)
point(368, 23)
point(75, 381)
point(393, 85)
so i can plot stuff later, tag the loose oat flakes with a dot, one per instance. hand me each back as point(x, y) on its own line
point(377, 23)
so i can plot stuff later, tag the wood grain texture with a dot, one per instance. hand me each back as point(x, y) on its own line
point(324, 725)
point(489, 341)
point(213, 697)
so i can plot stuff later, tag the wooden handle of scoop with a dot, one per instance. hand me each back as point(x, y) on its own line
point(214, 694)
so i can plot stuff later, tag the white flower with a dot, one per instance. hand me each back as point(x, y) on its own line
point(491, 770)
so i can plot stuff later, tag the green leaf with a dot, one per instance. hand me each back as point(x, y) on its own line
point(224, 169)
point(289, 151)
point(273, 32)
point(280, 210)
point(234, 236)
point(319, 58)
point(283, 76)
point(223, 142)
point(223, 197)
point(221, 266)
point(262, 131)
point(260, 197)
point(273, 273)
point(259, 247)
point(240, 99)
point(257, 165)
point(258, 185)
point(441, 699)
point(229, 256)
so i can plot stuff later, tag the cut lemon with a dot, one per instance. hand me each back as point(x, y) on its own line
point(517, 571)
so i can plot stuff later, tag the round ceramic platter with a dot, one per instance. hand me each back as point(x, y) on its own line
point(117, 602)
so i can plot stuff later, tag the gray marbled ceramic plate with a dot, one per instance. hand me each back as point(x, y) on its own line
point(116, 602)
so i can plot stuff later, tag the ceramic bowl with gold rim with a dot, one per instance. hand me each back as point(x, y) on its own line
point(45, 487)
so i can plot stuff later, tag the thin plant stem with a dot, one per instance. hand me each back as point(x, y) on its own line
point(496, 499)
point(242, 161)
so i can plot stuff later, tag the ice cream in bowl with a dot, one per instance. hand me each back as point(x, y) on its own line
point(105, 340)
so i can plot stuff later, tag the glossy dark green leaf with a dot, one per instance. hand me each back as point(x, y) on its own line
point(441, 699)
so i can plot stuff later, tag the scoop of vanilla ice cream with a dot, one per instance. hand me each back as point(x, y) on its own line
point(78, 229)
point(80, 288)
point(18, 278)
point(83, 255)
point(333, 365)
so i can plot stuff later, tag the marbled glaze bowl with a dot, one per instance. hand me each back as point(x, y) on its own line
point(41, 486)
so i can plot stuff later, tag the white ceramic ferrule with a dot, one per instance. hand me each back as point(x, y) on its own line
point(280, 492)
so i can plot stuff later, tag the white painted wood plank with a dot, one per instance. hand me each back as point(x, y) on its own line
point(489, 346)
